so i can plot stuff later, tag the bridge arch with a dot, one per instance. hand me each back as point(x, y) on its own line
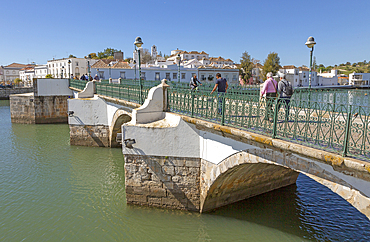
point(255, 171)
point(120, 117)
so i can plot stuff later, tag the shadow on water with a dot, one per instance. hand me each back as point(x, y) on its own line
point(306, 209)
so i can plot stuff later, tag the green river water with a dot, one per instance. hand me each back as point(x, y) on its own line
point(51, 191)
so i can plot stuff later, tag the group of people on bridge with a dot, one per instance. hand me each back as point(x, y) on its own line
point(271, 90)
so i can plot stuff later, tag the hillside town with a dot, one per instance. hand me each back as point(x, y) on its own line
point(180, 66)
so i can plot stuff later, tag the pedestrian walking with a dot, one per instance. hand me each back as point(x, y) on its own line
point(269, 89)
point(194, 83)
point(221, 85)
point(96, 77)
point(285, 90)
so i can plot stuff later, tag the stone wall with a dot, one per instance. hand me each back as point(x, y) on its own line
point(22, 108)
point(27, 108)
point(167, 182)
point(51, 109)
point(89, 135)
point(6, 92)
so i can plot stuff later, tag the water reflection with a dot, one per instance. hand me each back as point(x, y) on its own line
point(51, 191)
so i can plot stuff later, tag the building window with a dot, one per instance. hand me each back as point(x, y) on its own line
point(182, 75)
point(122, 74)
point(202, 77)
point(143, 77)
point(157, 76)
point(101, 74)
point(234, 78)
point(168, 77)
point(174, 75)
point(76, 63)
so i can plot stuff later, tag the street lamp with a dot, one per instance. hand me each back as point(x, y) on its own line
point(69, 68)
point(178, 61)
point(310, 44)
point(61, 74)
point(138, 43)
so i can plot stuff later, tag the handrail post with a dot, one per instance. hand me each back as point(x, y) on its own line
point(192, 103)
point(275, 118)
point(348, 131)
point(223, 109)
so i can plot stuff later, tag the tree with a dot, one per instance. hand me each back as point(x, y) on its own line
point(49, 76)
point(246, 66)
point(271, 64)
point(107, 52)
point(71, 56)
point(314, 64)
point(128, 60)
point(17, 81)
point(145, 56)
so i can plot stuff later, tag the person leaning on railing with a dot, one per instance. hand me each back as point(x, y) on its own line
point(270, 90)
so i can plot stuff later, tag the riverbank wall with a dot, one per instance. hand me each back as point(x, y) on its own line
point(6, 92)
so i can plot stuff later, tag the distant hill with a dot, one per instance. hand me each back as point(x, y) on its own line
point(347, 68)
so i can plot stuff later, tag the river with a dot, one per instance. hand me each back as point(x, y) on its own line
point(51, 191)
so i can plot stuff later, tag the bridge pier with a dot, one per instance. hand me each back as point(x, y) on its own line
point(46, 104)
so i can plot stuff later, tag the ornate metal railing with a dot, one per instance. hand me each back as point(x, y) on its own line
point(332, 120)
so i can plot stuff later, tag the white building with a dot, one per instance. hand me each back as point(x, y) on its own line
point(328, 78)
point(299, 77)
point(121, 69)
point(359, 79)
point(27, 74)
point(68, 66)
point(10, 72)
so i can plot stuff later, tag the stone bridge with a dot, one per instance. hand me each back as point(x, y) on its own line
point(178, 162)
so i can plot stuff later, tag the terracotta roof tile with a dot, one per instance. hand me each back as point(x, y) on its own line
point(289, 67)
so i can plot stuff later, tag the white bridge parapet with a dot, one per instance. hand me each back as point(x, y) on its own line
point(154, 106)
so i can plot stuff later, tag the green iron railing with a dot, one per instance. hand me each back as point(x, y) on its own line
point(313, 123)
point(331, 120)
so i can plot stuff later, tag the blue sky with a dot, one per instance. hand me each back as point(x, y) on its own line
point(37, 31)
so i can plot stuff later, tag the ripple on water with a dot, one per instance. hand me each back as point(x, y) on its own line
point(51, 191)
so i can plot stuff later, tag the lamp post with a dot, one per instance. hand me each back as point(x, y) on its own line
point(88, 67)
point(61, 74)
point(138, 43)
point(69, 68)
point(135, 68)
point(110, 71)
point(310, 44)
point(178, 62)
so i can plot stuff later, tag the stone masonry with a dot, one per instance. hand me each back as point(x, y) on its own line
point(27, 108)
point(6, 92)
point(167, 182)
point(89, 135)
